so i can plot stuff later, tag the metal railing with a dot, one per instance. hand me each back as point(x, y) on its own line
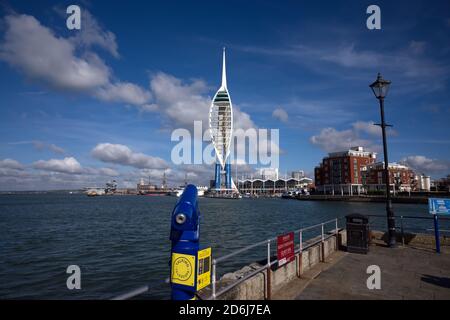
point(402, 219)
point(302, 245)
point(141, 290)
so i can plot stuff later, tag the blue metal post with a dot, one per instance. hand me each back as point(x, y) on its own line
point(184, 234)
point(228, 175)
point(436, 233)
point(218, 170)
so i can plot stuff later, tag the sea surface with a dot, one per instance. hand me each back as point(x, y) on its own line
point(122, 242)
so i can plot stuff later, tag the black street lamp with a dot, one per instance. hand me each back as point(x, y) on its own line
point(380, 88)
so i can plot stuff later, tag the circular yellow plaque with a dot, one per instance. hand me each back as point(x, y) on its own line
point(182, 269)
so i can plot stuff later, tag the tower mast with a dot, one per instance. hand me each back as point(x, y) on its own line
point(224, 71)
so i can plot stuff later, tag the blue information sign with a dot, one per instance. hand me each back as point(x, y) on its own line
point(439, 206)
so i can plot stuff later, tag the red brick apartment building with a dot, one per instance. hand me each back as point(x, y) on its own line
point(401, 178)
point(340, 172)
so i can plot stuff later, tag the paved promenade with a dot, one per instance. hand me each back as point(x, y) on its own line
point(406, 273)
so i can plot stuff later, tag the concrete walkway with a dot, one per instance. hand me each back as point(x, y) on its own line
point(406, 273)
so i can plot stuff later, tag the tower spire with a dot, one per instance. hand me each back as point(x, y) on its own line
point(224, 71)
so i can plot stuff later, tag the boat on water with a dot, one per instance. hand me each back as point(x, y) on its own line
point(179, 191)
point(219, 195)
point(94, 192)
point(295, 193)
point(148, 189)
point(110, 188)
point(156, 193)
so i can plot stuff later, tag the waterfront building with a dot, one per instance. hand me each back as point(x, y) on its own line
point(443, 184)
point(144, 188)
point(401, 177)
point(423, 182)
point(340, 172)
point(221, 130)
point(261, 186)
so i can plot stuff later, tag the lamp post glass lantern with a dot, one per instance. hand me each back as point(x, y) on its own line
point(380, 89)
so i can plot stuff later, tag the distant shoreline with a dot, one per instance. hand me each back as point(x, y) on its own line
point(401, 199)
point(41, 192)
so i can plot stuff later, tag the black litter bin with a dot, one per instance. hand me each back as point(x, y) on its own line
point(357, 233)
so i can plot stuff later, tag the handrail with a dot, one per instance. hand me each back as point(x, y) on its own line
point(271, 239)
point(140, 290)
point(143, 289)
point(241, 250)
point(303, 245)
point(407, 217)
point(269, 263)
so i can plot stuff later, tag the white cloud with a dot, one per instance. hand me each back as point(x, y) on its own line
point(410, 70)
point(332, 140)
point(422, 164)
point(51, 174)
point(41, 55)
point(183, 103)
point(149, 108)
point(91, 34)
point(11, 164)
point(108, 172)
point(68, 165)
point(347, 56)
point(40, 145)
point(56, 149)
point(280, 114)
point(368, 127)
point(67, 64)
point(124, 92)
point(361, 133)
point(48, 180)
point(121, 154)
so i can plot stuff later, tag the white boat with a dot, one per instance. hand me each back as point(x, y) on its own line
point(93, 192)
point(200, 191)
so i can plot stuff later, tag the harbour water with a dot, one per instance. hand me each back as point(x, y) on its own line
point(121, 242)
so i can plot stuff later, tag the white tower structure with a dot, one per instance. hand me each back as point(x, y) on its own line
point(221, 130)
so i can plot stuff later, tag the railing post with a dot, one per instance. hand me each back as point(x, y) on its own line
point(436, 233)
point(337, 235)
point(323, 244)
point(323, 237)
point(300, 255)
point(301, 241)
point(403, 234)
point(213, 275)
point(268, 284)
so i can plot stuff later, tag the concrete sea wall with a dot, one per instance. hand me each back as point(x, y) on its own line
point(258, 288)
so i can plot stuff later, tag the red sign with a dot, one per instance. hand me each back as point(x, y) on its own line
point(285, 248)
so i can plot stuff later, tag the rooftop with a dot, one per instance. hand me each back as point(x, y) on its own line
point(353, 151)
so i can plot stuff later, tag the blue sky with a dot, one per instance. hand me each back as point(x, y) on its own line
point(82, 107)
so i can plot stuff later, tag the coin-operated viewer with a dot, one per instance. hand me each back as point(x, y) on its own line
point(190, 267)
